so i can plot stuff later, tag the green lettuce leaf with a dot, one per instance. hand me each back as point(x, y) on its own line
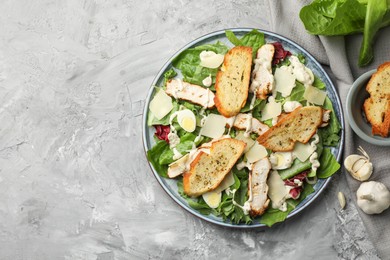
point(376, 10)
point(296, 168)
point(169, 74)
point(343, 17)
point(226, 209)
point(154, 155)
point(333, 17)
point(198, 204)
point(233, 38)
point(330, 134)
point(328, 164)
point(318, 83)
point(188, 62)
point(297, 93)
point(254, 39)
point(241, 184)
point(247, 107)
point(186, 142)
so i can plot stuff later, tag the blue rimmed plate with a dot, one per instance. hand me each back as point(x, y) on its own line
point(169, 185)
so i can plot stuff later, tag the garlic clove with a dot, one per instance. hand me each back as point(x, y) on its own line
point(341, 198)
point(350, 161)
point(364, 173)
point(359, 164)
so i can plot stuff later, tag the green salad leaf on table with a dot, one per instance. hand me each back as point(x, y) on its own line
point(298, 178)
point(344, 17)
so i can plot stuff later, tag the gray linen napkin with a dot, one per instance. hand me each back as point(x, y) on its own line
point(340, 54)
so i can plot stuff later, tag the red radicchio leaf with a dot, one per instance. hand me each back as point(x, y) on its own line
point(280, 53)
point(301, 177)
point(162, 132)
point(295, 192)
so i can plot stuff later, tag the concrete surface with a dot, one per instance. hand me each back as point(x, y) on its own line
point(74, 180)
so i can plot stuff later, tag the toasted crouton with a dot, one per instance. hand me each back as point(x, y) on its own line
point(208, 170)
point(300, 125)
point(232, 81)
point(377, 106)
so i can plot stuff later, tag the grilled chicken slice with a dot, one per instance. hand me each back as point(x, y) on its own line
point(258, 187)
point(255, 126)
point(262, 78)
point(179, 166)
point(190, 92)
point(325, 117)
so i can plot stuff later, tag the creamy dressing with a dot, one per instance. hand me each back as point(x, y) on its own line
point(202, 114)
point(290, 106)
point(248, 126)
point(252, 105)
point(247, 204)
point(243, 164)
point(298, 182)
point(245, 208)
point(283, 207)
point(301, 72)
point(206, 54)
point(176, 154)
point(210, 59)
point(197, 139)
point(316, 140)
point(230, 123)
point(174, 139)
point(314, 157)
point(274, 120)
point(314, 161)
point(171, 120)
point(207, 82)
point(282, 204)
point(229, 191)
point(172, 136)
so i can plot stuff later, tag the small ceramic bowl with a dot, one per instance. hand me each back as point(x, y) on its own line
point(355, 113)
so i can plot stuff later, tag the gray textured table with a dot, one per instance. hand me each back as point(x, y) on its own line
point(74, 180)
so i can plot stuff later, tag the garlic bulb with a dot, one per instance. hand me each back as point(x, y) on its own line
point(359, 166)
point(373, 197)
